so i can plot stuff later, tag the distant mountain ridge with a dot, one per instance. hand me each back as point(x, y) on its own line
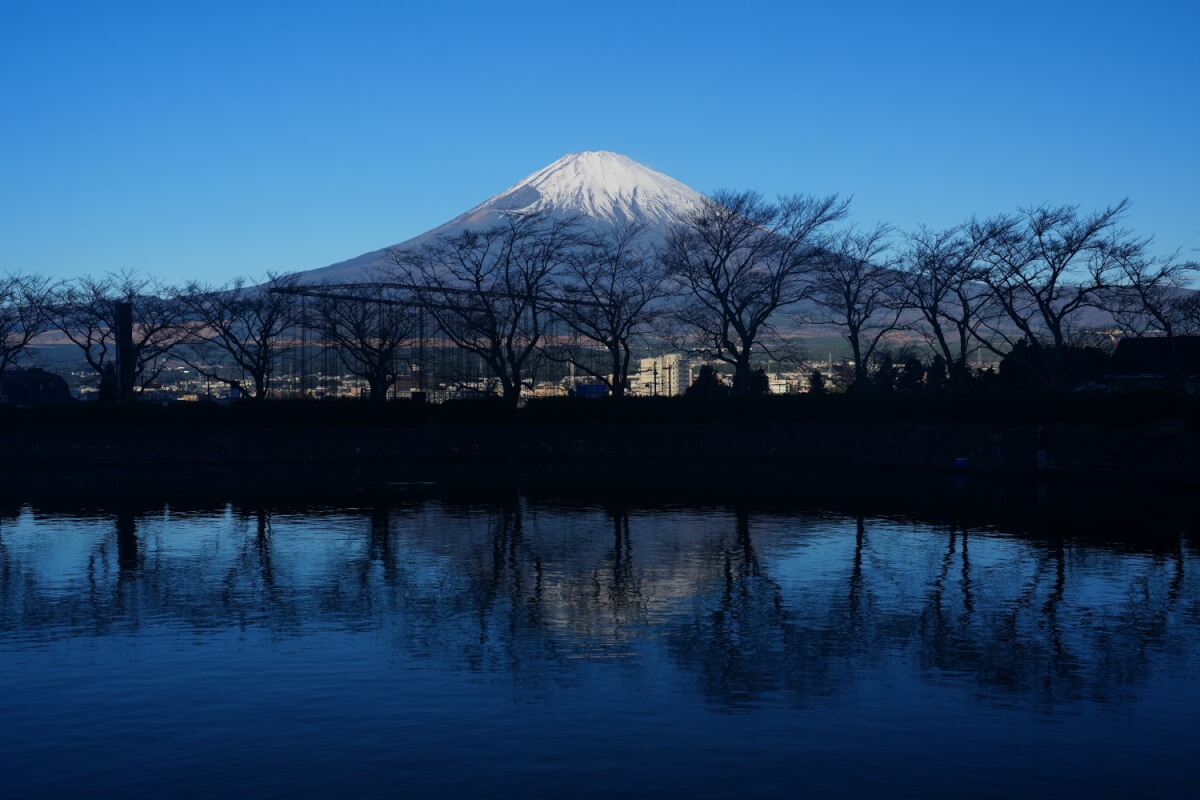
point(598, 187)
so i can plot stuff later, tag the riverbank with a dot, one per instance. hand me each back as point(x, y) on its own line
point(1160, 450)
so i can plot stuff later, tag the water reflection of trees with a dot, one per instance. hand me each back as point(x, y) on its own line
point(1053, 636)
point(740, 637)
point(542, 592)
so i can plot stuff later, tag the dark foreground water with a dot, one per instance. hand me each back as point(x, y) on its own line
point(408, 642)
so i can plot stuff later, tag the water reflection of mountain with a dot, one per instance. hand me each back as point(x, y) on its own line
point(741, 598)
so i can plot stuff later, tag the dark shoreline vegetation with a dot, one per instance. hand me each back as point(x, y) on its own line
point(1116, 409)
point(1155, 435)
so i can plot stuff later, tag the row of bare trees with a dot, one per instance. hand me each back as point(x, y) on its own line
point(1024, 285)
point(730, 277)
point(738, 280)
point(232, 333)
point(1030, 278)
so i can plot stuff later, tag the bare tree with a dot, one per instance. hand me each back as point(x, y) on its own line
point(367, 335)
point(86, 312)
point(24, 313)
point(487, 289)
point(240, 326)
point(1043, 267)
point(940, 280)
point(1151, 299)
point(610, 292)
point(1188, 312)
point(1146, 301)
point(856, 287)
point(741, 259)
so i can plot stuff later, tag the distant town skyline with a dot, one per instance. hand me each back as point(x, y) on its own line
point(208, 140)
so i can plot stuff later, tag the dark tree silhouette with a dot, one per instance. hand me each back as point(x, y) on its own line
point(707, 384)
point(239, 326)
point(85, 310)
point(855, 288)
point(760, 383)
point(740, 260)
point(1152, 299)
point(612, 286)
point(937, 376)
point(488, 289)
point(367, 337)
point(1044, 266)
point(886, 375)
point(940, 279)
point(912, 375)
point(24, 313)
point(1188, 311)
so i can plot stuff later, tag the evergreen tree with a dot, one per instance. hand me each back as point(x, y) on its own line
point(937, 376)
point(912, 376)
point(885, 376)
point(708, 384)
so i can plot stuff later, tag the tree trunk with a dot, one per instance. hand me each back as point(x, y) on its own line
point(741, 374)
point(377, 386)
point(617, 385)
point(260, 386)
point(511, 392)
point(860, 367)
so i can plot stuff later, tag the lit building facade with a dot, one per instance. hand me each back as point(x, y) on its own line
point(662, 376)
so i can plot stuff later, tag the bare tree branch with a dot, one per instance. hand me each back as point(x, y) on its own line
point(367, 336)
point(487, 289)
point(240, 325)
point(1043, 266)
point(86, 311)
point(741, 259)
point(940, 280)
point(25, 306)
point(855, 286)
point(612, 287)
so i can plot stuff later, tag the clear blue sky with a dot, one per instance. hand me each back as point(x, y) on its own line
point(209, 139)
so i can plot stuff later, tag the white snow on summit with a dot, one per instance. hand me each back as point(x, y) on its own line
point(600, 188)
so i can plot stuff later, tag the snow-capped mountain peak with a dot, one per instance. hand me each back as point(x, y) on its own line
point(599, 188)
point(599, 185)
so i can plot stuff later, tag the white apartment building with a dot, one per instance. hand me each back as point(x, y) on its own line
point(662, 376)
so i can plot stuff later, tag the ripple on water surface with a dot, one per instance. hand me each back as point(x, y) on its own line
point(521, 647)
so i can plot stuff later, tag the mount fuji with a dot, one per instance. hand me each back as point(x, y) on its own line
point(599, 188)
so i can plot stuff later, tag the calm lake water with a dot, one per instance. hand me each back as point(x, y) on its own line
point(412, 641)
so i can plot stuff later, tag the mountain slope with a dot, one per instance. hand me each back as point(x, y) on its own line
point(600, 188)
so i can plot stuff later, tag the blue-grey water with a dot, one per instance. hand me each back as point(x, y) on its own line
point(422, 645)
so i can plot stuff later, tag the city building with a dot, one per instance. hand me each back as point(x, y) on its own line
point(662, 376)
